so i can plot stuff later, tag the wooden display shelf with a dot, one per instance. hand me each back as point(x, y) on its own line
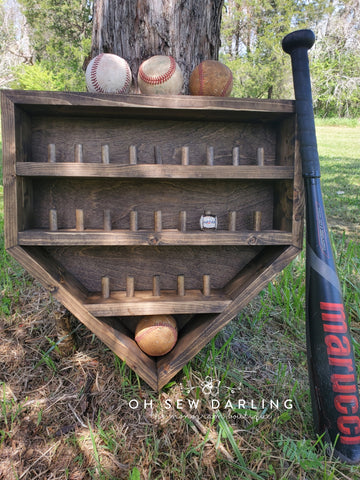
point(105, 197)
point(166, 237)
point(145, 303)
point(98, 170)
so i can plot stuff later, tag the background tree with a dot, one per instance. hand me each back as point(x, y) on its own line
point(59, 42)
point(336, 62)
point(14, 41)
point(60, 35)
point(252, 33)
point(188, 30)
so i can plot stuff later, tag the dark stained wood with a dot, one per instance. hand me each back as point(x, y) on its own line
point(103, 200)
point(89, 264)
point(197, 332)
point(71, 296)
point(154, 171)
point(141, 106)
point(157, 302)
point(146, 196)
point(9, 172)
point(164, 237)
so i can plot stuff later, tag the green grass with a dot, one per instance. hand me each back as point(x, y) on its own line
point(260, 355)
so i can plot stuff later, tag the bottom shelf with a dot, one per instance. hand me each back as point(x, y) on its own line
point(145, 303)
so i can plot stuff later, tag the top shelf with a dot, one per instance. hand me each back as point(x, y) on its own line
point(145, 106)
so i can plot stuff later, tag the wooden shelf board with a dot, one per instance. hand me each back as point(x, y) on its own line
point(73, 237)
point(150, 106)
point(99, 170)
point(144, 303)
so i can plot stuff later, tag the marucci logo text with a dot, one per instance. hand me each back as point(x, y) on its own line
point(343, 379)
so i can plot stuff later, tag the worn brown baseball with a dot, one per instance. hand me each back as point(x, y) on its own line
point(211, 78)
point(156, 335)
point(108, 73)
point(160, 75)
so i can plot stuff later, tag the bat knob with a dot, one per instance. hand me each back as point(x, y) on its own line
point(298, 39)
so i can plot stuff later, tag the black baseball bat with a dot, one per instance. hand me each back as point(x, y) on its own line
point(331, 362)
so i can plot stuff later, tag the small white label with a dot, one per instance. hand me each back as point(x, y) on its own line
point(208, 222)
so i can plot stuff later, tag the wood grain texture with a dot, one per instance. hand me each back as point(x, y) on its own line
point(141, 106)
point(108, 192)
point(90, 263)
point(198, 332)
point(146, 196)
point(69, 169)
point(157, 303)
point(152, 238)
point(68, 293)
point(9, 171)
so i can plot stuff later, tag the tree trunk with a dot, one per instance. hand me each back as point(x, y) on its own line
point(188, 30)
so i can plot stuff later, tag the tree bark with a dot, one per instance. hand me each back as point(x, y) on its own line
point(188, 30)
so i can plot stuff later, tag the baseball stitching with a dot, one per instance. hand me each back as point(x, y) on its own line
point(93, 77)
point(95, 83)
point(158, 79)
point(201, 79)
point(153, 327)
point(228, 83)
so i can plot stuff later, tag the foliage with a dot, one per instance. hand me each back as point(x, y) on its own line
point(252, 34)
point(14, 42)
point(61, 45)
point(336, 63)
point(36, 77)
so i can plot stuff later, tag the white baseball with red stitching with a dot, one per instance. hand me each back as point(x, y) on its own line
point(160, 75)
point(108, 73)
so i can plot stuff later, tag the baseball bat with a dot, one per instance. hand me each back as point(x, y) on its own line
point(331, 362)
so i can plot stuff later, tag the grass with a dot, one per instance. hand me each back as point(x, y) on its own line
point(239, 409)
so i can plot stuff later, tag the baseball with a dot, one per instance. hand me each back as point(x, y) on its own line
point(160, 75)
point(156, 335)
point(108, 73)
point(211, 78)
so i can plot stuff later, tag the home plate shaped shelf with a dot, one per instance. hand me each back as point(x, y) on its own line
point(127, 206)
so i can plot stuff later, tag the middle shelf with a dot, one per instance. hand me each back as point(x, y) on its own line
point(98, 170)
point(73, 237)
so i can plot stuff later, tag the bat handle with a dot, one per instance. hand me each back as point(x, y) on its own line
point(297, 44)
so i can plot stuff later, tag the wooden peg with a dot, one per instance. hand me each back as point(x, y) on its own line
point(132, 155)
point(78, 153)
point(105, 287)
point(210, 156)
point(158, 221)
point(232, 221)
point(79, 220)
point(236, 156)
point(206, 285)
point(51, 153)
point(183, 221)
point(105, 154)
point(181, 285)
point(107, 220)
point(257, 221)
point(157, 155)
point(185, 156)
point(260, 157)
point(156, 286)
point(53, 220)
point(133, 220)
point(130, 286)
